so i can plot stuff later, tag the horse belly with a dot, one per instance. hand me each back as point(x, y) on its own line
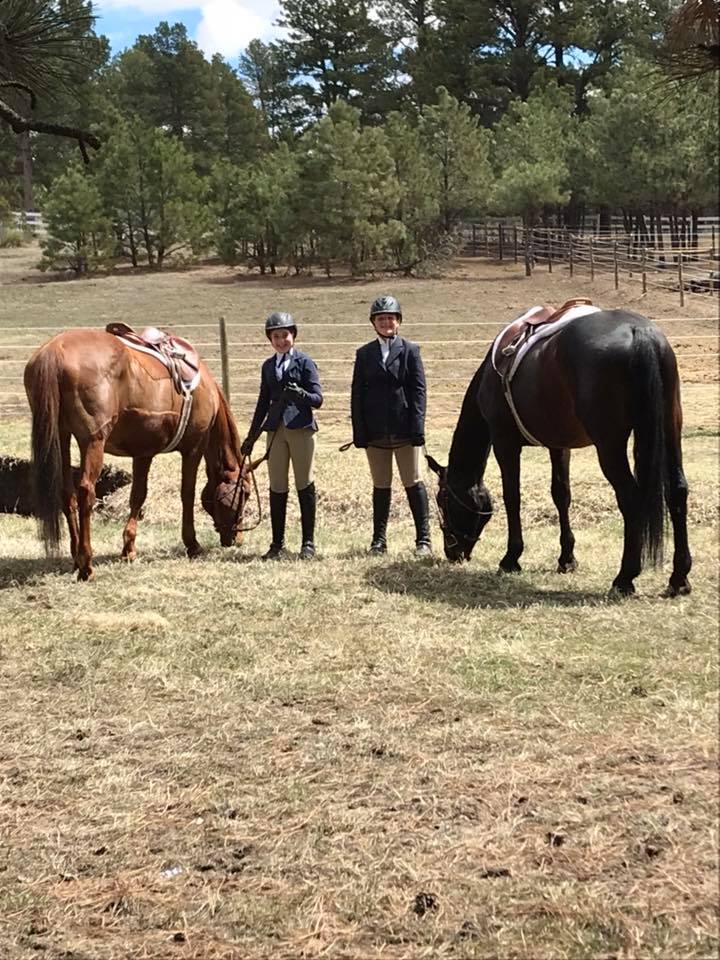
point(149, 417)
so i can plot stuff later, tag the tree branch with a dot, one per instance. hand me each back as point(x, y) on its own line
point(20, 124)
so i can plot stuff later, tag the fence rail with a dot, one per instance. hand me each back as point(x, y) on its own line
point(447, 361)
point(680, 268)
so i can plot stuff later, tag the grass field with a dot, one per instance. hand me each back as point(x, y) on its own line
point(356, 757)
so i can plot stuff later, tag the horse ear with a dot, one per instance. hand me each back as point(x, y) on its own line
point(434, 465)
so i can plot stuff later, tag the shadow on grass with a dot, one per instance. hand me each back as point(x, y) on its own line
point(16, 572)
point(465, 587)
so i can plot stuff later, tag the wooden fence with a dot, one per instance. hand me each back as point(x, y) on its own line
point(688, 269)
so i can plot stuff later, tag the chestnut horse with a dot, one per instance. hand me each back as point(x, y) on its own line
point(88, 385)
point(595, 381)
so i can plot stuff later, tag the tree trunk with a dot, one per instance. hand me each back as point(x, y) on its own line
point(24, 155)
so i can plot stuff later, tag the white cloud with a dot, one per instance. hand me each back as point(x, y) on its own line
point(227, 26)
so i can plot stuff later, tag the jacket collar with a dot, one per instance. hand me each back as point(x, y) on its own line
point(392, 363)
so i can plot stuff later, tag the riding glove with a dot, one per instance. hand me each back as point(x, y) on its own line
point(246, 446)
point(418, 440)
point(294, 392)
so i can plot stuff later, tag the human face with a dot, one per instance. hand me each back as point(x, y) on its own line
point(386, 324)
point(282, 340)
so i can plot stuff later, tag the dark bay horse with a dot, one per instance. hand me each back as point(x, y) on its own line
point(86, 384)
point(595, 381)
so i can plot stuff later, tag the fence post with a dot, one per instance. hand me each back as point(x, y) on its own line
point(474, 240)
point(644, 268)
point(500, 241)
point(712, 241)
point(680, 278)
point(615, 264)
point(570, 254)
point(526, 237)
point(224, 362)
point(548, 240)
point(515, 253)
point(592, 260)
point(487, 241)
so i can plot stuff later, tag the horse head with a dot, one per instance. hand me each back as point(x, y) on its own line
point(225, 498)
point(465, 507)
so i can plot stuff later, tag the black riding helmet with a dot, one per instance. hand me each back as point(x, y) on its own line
point(279, 320)
point(386, 304)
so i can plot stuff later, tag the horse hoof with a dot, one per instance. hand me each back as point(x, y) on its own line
point(619, 591)
point(86, 576)
point(510, 566)
point(569, 567)
point(129, 556)
point(195, 551)
point(677, 590)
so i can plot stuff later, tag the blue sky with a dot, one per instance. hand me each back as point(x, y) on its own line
point(218, 26)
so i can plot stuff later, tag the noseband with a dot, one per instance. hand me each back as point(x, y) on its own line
point(453, 537)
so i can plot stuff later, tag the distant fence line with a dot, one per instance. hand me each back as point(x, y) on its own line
point(694, 269)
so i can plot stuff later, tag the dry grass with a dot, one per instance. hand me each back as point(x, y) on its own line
point(356, 758)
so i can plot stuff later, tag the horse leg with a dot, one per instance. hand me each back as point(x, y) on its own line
point(138, 493)
point(676, 492)
point(614, 464)
point(190, 464)
point(560, 488)
point(70, 500)
point(508, 458)
point(90, 467)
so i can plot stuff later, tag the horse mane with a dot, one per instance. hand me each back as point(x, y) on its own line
point(470, 445)
point(224, 438)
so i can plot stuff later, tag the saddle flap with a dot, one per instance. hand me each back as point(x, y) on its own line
point(176, 353)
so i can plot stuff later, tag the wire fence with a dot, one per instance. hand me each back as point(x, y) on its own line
point(679, 266)
point(234, 359)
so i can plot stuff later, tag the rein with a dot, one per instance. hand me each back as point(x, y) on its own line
point(240, 509)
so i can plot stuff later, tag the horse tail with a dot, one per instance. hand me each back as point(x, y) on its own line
point(649, 440)
point(43, 388)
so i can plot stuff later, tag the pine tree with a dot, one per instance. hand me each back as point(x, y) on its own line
point(77, 229)
point(344, 53)
point(155, 196)
point(459, 150)
point(349, 191)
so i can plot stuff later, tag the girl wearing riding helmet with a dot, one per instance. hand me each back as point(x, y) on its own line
point(289, 392)
point(388, 420)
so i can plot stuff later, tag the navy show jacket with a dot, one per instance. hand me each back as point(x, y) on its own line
point(388, 400)
point(294, 414)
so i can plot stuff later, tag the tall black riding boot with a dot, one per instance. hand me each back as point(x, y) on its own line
point(278, 511)
point(381, 512)
point(308, 502)
point(418, 500)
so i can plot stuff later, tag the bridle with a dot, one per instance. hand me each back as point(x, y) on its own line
point(453, 538)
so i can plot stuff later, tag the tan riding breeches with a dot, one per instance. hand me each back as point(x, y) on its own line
point(407, 458)
point(297, 446)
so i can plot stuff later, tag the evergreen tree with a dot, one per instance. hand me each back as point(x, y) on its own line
point(337, 52)
point(532, 146)
point(77, 229)
point(349, 191)
point(253, 206)
point(166, 82)
point(418, 208)
point(155, 197)
point(265, 70)
point(459, 150)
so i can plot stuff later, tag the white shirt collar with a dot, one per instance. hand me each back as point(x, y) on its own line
point(282, 358)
